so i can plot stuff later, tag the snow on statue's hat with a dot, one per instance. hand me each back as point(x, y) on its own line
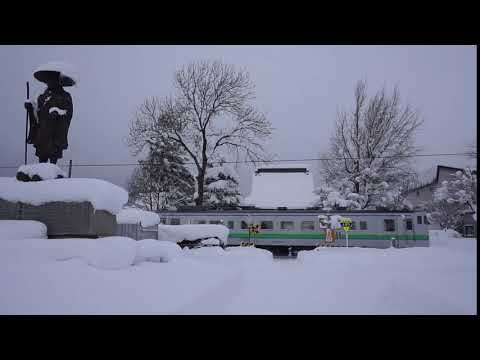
point(65, 72)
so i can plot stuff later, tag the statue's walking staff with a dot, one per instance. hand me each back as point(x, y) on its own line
point(26, 124)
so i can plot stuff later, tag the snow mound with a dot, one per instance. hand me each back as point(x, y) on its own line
point(101, 194)
point(178, 233)
point(135, 216)
point(62, 67)
point(211, 241)
point(206, 252)
point(249, 251)
point(157, 251)
point(46, 171)
point(22, 229)
point(114, 252)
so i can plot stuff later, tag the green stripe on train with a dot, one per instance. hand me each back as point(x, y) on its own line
point(321, 236)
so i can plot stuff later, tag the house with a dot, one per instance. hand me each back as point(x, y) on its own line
point(422, 192)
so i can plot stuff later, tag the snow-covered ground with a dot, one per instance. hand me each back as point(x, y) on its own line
point(121, 276)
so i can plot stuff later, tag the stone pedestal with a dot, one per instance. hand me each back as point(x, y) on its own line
point(63, 219)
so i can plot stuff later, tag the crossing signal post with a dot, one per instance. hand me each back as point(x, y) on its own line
point(253, 230)
point(346, 224)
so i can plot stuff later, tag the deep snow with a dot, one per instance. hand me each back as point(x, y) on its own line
point(122, 276)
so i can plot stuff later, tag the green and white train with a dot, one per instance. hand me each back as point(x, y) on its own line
point(300, 229)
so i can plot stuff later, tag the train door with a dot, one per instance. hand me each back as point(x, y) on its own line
point(409, 231)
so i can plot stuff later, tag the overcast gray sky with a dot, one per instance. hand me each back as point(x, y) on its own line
point(297, 87)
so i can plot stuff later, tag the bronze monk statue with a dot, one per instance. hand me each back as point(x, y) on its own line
point(50, 119)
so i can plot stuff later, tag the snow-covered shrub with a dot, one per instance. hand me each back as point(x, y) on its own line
point(453, 198)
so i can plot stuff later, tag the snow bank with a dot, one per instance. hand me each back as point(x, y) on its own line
point(178, 233)
point(292, 190)
point(250, 251)
point(114, 252)
point(157, 251)
point(135, 216)
point(101, 194)
point(22, 229)
point(211, 241)
point(45, 170)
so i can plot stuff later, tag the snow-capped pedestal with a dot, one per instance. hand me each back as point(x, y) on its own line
point(68, 207)
point(38, 172)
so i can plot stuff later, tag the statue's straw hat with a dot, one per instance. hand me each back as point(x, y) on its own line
point(63, 71)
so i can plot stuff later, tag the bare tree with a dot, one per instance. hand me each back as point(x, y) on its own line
point(372, 146)
point(211, 115)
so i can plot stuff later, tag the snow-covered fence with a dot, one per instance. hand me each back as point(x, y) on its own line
point(137, 231)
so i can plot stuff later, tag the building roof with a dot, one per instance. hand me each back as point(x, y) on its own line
point(285, 185)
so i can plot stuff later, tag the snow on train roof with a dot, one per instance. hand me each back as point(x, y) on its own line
point(282, 188)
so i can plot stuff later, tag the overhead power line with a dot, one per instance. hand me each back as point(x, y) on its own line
point(258, 161)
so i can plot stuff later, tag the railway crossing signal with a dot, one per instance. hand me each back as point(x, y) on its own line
point(253, 230)
point(346, 224)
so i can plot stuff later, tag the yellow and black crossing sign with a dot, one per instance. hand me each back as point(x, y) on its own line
point(253, 229)
point(346, 224)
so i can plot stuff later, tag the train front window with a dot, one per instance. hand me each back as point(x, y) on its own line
point(389, 225)
point(244, 225)
point(308, 226)
point(286, 225)
point(266, 225)
point(363, 225)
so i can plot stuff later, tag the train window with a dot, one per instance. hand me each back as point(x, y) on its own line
point(216, 222)
point(175, 221)
point(163, 220)
point(230, 225)
point(409, 224)
point(244, 225)
point(286, 225)
point(201, 222)
point(363, 225)
point(266, 225)
point(419, 219)
point(353, 226)
point(307, 226)
point(389, 225)
point(425, 220)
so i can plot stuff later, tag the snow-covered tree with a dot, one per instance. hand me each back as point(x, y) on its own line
point(453, 198)
point(162, 181)
point(212, 112)
point(222, 186)
point(371, 150)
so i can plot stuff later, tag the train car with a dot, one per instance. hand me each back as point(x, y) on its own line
point(300, 229)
